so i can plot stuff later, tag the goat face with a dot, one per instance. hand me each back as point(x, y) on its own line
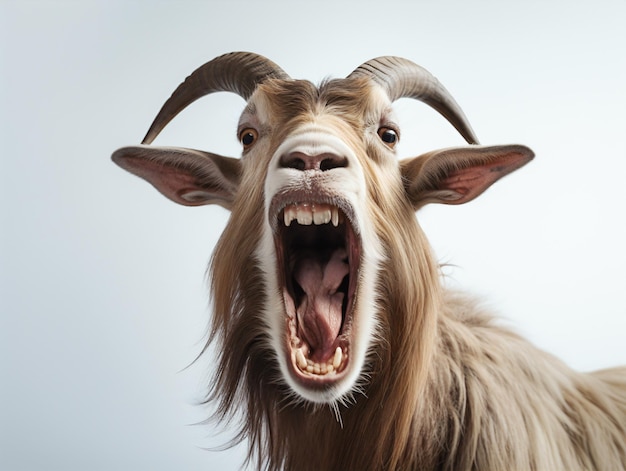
point(315, 198)
point(319, 247)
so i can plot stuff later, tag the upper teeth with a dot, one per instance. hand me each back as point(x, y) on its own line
point(309, 213)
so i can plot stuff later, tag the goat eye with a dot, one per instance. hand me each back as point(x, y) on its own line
point(388, 136)
point(248, 136)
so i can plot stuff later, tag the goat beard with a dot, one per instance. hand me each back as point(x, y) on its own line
point(248, 375)
point(280, 427)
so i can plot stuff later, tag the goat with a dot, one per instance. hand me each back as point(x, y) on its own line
point(338, 344)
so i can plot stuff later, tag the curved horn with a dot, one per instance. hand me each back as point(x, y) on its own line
point(237, 72)
point(402, 78)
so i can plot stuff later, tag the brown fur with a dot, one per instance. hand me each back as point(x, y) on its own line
point(446, 387)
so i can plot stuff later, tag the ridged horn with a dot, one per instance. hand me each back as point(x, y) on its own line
point(402, 78)
point(237, 72)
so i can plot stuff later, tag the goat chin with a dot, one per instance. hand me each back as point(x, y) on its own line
point(339, 346)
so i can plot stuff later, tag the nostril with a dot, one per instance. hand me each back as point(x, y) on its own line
point(293, 160)
point(323, 162)
point(332, 161)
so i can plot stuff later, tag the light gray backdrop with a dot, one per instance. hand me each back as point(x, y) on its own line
point(102, 290)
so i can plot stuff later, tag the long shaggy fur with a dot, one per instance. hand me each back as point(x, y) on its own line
point(440, 385)
point(446, 387)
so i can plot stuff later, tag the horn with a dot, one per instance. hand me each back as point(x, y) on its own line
point(237, 72)
point(402, 78)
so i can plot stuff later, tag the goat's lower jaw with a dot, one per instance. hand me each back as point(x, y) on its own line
point(318, 259)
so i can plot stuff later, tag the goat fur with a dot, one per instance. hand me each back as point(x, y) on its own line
point(443, 386)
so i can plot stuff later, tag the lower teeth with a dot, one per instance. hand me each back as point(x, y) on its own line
point(309, 366)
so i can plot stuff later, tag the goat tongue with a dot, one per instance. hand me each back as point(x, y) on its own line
point(319, 312)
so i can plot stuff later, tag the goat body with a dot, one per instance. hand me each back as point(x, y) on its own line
point(337, 340)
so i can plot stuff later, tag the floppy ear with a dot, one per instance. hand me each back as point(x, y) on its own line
point(186, 176)
point(458, 175)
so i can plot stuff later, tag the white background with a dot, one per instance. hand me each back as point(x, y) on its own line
point(103, 299)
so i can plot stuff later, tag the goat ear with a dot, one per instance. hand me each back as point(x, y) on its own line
point(186, 176)
point(458, 175)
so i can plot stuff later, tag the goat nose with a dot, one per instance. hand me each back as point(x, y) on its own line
point(323, 162)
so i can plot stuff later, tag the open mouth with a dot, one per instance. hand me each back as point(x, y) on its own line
point(318, 262)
